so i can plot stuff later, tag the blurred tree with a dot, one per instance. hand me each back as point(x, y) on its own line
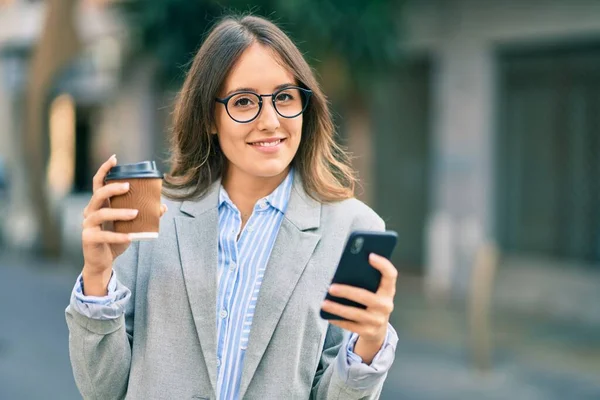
point(58, 45)
point(354, 38)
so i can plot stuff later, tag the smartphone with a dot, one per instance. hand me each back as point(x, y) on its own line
point(354, 268)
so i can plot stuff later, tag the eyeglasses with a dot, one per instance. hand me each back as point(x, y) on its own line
point(245, 106)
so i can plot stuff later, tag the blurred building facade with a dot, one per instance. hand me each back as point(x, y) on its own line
point(495, 129)
point(488, 133)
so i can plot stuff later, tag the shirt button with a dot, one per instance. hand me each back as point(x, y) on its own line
point(250, 228)
point(218, 362)
point(233, 266)
point(262, 204)
point(223, 314)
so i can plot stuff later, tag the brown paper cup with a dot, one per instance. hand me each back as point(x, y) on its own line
point(143, 195)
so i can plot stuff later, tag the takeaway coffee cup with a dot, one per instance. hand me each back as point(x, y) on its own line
point(145, 184)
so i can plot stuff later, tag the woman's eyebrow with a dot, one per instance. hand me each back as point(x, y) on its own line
point(240, 89)
point(249, 89)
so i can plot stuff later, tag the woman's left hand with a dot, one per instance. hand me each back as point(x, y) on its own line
point(370, 324)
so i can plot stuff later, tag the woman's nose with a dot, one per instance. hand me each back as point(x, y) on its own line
point(268, 119)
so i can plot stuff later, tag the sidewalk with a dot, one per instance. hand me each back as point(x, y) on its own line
point(534, 358)
point(34, 353)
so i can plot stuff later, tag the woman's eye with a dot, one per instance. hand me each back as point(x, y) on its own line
point(281, 97)
point(243, 102)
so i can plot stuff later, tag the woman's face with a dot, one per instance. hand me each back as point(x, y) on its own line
point(264, 147)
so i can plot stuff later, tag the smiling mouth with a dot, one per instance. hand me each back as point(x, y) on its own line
point(270, 143)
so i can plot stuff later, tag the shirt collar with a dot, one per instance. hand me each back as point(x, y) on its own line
point(278, 199)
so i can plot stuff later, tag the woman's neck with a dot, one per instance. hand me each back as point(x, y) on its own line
point(245, 190)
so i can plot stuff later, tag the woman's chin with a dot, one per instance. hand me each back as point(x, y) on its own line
point(270, 169)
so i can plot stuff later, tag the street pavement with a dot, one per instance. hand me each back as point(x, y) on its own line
point(34, 354)
point(431, 361)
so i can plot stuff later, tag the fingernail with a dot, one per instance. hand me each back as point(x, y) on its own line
point(114, 156)
point(134, 212)
point(126, 185)
point(333, 288)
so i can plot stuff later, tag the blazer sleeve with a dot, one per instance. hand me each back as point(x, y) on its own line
point(100, 350)
point(330, 383)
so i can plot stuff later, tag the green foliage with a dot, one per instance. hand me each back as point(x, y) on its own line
point(362, 34)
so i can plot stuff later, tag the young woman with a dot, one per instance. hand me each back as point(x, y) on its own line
point(258, 204)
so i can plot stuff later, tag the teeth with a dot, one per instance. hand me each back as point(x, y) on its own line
point(268, 144)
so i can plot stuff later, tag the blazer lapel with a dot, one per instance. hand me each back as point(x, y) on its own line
point(197, 239)
point(293, 248)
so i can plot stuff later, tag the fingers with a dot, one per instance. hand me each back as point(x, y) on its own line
point(368, 324)
point(104, 193)
point(371, 300)
point(347, 325)
point(104, 214)
point(93, 236)
point(97, 218)
point(389, 274)
point(359, 295)
point(354, 314)
point(163, 209)
point(102, 171)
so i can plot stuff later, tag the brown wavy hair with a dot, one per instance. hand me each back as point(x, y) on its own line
point(196, 158)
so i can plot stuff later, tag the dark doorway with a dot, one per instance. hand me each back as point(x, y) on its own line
point(549, 153)
point(83, 154)
point(402, 147)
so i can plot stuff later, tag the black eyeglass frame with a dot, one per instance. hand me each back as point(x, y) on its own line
point(307, 93)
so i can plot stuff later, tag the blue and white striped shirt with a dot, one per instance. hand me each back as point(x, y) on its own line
point(242, 263)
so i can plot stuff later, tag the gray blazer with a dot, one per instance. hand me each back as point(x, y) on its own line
point(164, 346)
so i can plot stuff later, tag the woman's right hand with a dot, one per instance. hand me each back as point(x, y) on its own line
point(100, 244)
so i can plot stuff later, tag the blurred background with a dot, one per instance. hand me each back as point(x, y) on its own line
point(475, 126)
